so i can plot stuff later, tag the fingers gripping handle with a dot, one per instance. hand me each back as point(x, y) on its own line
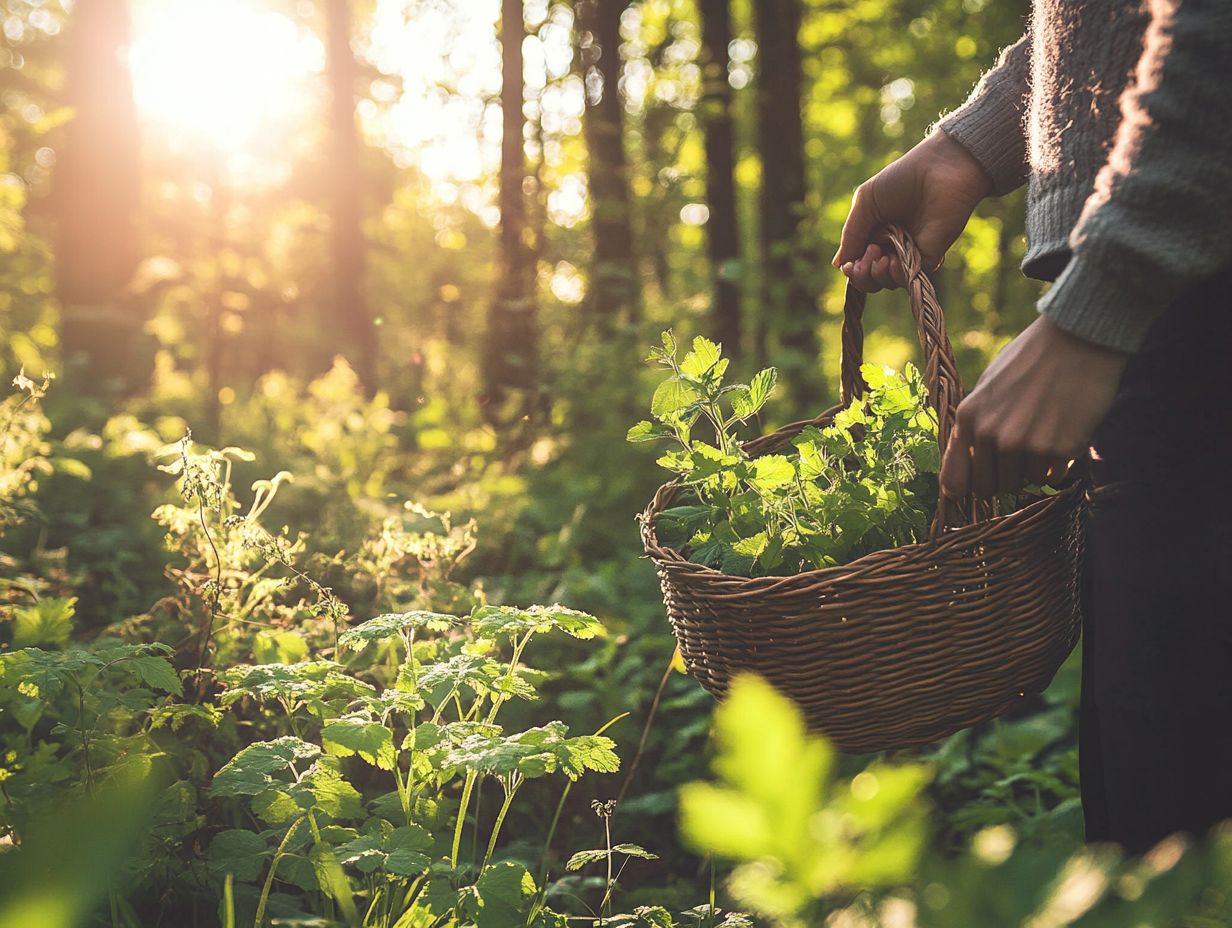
point(940, 371)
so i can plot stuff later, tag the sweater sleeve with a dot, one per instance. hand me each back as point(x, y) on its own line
point(990, 124)
point(1160, 215)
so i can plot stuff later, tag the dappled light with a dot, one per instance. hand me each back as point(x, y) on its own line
point(452, 476)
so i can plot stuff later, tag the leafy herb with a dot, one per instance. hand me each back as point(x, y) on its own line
point(866, 481)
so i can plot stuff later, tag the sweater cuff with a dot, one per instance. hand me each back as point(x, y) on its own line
point(990, 128)
point(1100, 307)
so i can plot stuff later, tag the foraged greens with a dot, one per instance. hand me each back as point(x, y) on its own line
point(867, 481)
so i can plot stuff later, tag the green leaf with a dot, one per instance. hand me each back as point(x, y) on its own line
point(238, 852)
point(495, 621)
point(372, 741)
point(476, 672)
point(672, 396)
point(772, 471)
point(702, 359)
point(634, 850)
point(393, 624)
point(157, 672)
point(47, 622)
point(535, 753)
point(749, 402)
point(502, 896)
point(295, 683)
point(402, 851)
point(752, 546)
point(254, 768)
point(648, 431)
point(875, 374)
point(582, 858)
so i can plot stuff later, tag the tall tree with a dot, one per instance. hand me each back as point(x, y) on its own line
point(95, 197)
point(349, 314)
point(511, 348)
point(789, 308)
point(614, 279)
point(722, 228)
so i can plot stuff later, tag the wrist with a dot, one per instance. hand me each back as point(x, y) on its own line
point(967, 175)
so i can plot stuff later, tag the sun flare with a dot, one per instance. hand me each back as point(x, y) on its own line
point(225, 74)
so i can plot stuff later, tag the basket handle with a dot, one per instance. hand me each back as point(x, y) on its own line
point(945, 390)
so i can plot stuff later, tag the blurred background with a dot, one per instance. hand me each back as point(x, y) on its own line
point(466, 221)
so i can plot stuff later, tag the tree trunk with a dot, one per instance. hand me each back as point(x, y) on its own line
point(511, 350)
point(722, 227)
point(95, 198)
point(789, 309)
point(614, 279)
point(349, 316)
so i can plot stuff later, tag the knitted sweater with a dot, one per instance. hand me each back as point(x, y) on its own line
point(1118, 116)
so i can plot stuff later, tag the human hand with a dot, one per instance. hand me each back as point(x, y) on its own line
point(931, 192)
point(1032, 412)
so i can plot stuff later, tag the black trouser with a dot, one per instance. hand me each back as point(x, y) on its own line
point(1155, 734)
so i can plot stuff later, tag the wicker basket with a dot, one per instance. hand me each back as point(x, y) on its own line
point(906, 645)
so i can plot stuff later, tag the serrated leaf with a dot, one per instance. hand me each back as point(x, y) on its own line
point(752, 546)
point(582, 858)
point(702, 359)
point(772, 471)
point(402, 851)
point(535, 753)
point(240, 853)
point(372, 741)
point(672, 396)
point(748, 402)
point(393, 624)
point(157, 672)
point(648, 431)
point(495, 621)
point(502, 896)
point(256, 767)
point(295, 683)
point(634, 850)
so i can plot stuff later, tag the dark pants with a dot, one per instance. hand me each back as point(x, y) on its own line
point(1155, 734)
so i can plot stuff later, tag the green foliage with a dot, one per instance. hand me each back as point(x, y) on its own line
point(812, 845)
point(865, 482)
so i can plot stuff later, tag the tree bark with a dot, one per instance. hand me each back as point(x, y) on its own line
point(350, 315)
point(614, 279)
point(722, 227)
point(789, 309)
point(511, 349)
point(95, 199)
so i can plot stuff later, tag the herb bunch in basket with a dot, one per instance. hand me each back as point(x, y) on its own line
point(865, 482)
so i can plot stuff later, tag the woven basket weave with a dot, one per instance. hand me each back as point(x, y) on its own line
point(906, 645)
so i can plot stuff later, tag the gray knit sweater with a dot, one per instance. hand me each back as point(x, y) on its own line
point(1118, 114)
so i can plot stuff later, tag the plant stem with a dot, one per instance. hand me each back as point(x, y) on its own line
point(457, 831)
point(209, 625)
point(500, 820)
point(259, 920)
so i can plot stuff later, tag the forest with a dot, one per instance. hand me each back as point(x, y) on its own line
point(323, 595)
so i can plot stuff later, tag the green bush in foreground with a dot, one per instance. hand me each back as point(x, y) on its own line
point(811, 847)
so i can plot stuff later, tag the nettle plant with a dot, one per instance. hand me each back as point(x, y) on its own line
point(865, 482)
point(304, 768)
point(429, 731)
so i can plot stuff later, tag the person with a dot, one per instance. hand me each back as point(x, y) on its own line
point(1117, 115)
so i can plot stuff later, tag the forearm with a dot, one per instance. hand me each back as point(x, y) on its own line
point(1159, 217)
point(989, 124)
